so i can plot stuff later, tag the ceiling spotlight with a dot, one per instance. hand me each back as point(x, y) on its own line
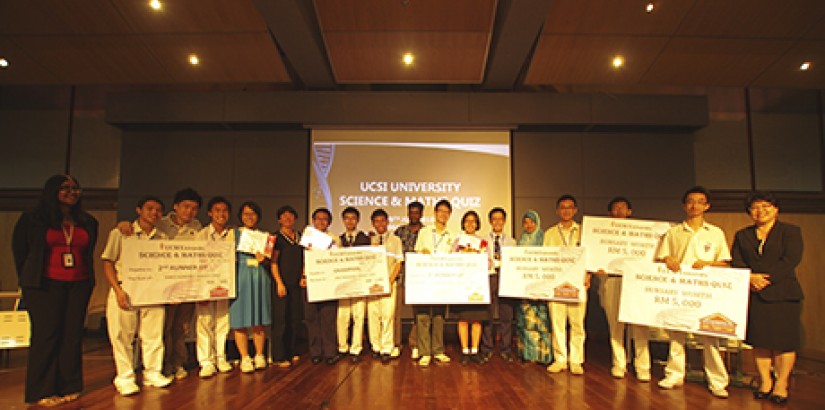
point(155, 5)
point(618, 61)
point(805, 66)
point(649, 7)
point(194, 60)
point(4, 63)
point(408, 58)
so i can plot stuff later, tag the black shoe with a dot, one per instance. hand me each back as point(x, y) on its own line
point(317, 359)
point(506, 357)
point(779, 399)
point(464, 359)
point(334, 359)
point(354, 358)
point(477, 358)
point(375, 355)
point(385, 358)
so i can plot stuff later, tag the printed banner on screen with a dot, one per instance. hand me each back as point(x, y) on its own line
point(446, 279)
point(168, 271)
point(710, 301)
point(611, 242)
point(346, 273)
point(543, 273)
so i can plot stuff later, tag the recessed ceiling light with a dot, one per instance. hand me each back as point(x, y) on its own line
point(618, 61)
point(4, 63)
point(194, 60)
point(649, 7)
point(408, 58)
point(805, 66)
point(155, 5)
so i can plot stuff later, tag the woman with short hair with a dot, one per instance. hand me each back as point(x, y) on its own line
point(772, 250)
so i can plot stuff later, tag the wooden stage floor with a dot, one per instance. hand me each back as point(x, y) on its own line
point(403, 385)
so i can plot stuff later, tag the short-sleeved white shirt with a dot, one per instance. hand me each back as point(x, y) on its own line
point(430, 239)
point(556, 235)
point(706, 244)
point(210, 234)
point(392, 243)
point(115, 240)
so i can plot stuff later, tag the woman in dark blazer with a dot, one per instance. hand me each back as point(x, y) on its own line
point(53, 248)
point(772, 250)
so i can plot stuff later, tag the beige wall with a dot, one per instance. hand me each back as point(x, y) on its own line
point(813, 261)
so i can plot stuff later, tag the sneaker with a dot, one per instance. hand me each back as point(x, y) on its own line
point(50, 401)
point(617, 372)
point(643, 375)
point(425, 361)
point(156, 379)
point(395, 353)
point(442, 358)
point(576, 369)
point(246, 365)
point(181, 373)
point(557, 367)
point(224, 366)
point(670, 382)
point(720, 393)
point(414, 354)
point(127, 388)
point(260, 362)
point(207, 371)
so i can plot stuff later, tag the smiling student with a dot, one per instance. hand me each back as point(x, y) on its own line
point(123, 319)
point(697, 244)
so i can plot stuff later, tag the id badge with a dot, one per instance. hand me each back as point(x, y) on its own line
point(252, 263)
point(68, 260)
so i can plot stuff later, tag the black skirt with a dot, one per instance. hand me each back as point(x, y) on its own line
point(470, 313)
point(774, 325)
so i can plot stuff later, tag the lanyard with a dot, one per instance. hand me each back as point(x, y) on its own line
point(436, 243)
point(68, 235)
point(569, 238)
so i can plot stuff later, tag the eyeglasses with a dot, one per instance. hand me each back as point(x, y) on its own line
point(70, 188)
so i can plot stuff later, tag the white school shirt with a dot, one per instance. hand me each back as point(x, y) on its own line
point(504, 239)
point(429, 239)
point(556, 235)
point(114, 243)
point(683, 243)
point(395, 250)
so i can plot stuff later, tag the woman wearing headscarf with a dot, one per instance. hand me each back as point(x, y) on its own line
point(772, 250)
point(532, 316)
point(53, 249)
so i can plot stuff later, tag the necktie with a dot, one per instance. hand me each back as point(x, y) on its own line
point(497, 247)
point(350, 239)
point(380, 239)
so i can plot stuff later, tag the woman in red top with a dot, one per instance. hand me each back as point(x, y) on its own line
point(53, 247)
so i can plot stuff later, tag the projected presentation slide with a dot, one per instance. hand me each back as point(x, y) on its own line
point(389, 169)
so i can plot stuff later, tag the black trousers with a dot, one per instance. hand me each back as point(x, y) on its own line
point(287, 323)
point(505, 320)
point(57, 312)
point(176, 325)
point(320, 318)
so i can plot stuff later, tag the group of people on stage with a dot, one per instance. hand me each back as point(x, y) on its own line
point(53, 248)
